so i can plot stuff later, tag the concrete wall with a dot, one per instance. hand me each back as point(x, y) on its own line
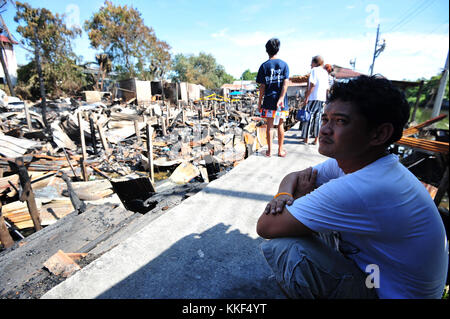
point(189, 91)
point(141, 90)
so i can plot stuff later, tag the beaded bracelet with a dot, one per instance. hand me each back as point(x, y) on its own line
point(279, 194)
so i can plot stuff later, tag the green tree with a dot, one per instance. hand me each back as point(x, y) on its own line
point(428, 92)
point(120, 32)
point(248, 75)
point(202, 69)
point(48, 37)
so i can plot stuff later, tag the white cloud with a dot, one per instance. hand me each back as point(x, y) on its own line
point(412, 56)
point(221, 34)
point(72, 15)
point(407, 56)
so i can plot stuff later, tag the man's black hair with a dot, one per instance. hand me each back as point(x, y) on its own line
point(272, 46)
point(377, 99)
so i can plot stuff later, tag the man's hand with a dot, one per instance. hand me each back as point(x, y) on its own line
point(276, 205)
point(302, 183)
point(306, 182)
point(280, 104)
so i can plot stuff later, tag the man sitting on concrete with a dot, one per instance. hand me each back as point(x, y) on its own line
point(358, 225)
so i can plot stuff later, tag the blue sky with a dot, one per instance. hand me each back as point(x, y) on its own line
point(235, 31)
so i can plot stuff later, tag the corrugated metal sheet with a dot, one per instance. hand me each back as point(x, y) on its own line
point(13, 147)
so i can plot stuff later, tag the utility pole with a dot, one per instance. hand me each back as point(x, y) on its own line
point(353, 63)
point(440, 94)
point(378, 49)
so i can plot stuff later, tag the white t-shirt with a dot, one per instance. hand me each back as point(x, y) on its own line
point(386, 215)
point(319, 77)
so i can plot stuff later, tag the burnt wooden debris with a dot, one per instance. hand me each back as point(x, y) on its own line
point(59, 156)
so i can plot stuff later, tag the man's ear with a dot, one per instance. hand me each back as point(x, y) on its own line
point(381, 134)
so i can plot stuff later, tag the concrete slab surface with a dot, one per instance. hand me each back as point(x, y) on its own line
point(206, 247)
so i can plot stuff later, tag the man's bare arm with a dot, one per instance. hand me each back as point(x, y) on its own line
point(277, 221)
point(280, 225)
point(262, 89)
point(283, 92)
point(308, 92)
point(297, 184)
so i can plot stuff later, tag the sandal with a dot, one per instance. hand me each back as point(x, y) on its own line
point(268, 154)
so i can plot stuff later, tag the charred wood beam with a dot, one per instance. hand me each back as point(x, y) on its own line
point(77, 203)
point(149, 135)
point(103, 139)
point(5, 237)
point(83, 148)
point(26, 193)
point(93, 138)
point(70, 164)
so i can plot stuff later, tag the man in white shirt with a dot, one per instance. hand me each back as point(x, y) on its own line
point(315, 97)
point(359, 225)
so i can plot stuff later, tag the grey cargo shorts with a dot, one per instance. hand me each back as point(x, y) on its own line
point(311, 267)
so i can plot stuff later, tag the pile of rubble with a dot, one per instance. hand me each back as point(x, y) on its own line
point(88, 150)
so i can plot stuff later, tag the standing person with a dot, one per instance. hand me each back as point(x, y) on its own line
point(331, 77)
point(273, 77)
point(359, 224)
point(315, 97)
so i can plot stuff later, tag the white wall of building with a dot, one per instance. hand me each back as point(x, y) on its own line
point(11, 63)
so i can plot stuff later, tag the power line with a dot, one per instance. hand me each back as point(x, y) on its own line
point(437, 28)
point(419, 9)
point(408, 12)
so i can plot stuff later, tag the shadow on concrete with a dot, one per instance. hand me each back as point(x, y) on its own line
point(214, 264)
point(231, 193)
point(296, 141)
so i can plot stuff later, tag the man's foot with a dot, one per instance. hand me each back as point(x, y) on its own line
point(282, 153)
point(268, 153)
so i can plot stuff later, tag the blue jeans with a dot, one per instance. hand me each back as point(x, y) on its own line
point(311, 267)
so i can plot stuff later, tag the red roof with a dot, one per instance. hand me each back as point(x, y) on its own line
point(7, 40)
point(344, 73)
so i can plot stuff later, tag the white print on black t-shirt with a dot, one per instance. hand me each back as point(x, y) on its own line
point(275, 76)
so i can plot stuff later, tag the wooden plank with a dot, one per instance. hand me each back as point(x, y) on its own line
point(83, 149)
point(27, 116)
point(5, 238)
point(423, 144)
point(103, 139)
point(416, 128)
point(61, 264)
point(138, 132)
point(15, 147)
point(49, 213)
point(149, 136)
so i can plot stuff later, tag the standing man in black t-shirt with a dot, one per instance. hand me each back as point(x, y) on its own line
point(273, 77)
